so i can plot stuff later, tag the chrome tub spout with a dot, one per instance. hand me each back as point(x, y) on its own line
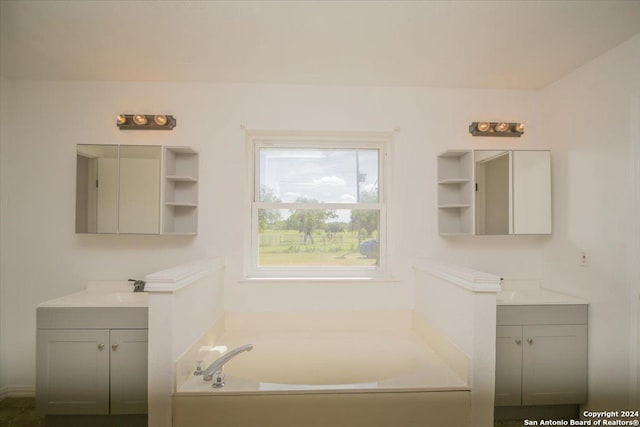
point(214, 371)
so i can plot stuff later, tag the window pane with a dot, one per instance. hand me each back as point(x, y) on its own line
point(318, 237)
point(309, 175)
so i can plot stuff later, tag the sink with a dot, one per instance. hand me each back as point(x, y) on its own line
point(102, 294)
point(533, 294)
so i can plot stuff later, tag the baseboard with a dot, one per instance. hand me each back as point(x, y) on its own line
point(559, 412)
point(97, 420)
point(17, 391)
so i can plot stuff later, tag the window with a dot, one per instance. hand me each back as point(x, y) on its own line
point(317, 205)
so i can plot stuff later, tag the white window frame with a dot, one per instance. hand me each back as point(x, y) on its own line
point(257, 139)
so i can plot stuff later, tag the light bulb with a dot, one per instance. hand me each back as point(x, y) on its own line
point(483, 126)
point(160, 120)
point(121, 119)
point(502, 127)
point(139, 119)
point(519, 127)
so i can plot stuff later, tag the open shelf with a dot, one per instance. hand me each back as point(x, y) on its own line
point(181, 178)
point(181, 150)
point(454, 153)
point(455, 192)
point(453, 181)
point(191, 205)
point(180, 191)
point(454, 206)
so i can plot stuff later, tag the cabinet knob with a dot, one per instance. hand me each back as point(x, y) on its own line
point(100, 346)
point(518, 341)
point(114, 347)
point(530, 340)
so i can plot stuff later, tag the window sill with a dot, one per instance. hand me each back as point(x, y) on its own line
point(383, 279)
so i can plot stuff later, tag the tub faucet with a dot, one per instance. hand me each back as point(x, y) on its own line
point(214, 371)
point(138, 285)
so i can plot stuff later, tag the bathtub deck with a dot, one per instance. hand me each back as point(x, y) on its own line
point(371, 370)
point(432, 374)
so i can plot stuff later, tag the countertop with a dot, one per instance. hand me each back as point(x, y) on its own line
point(529, 292)
point(102, 294)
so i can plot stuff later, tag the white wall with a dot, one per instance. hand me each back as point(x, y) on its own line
point(46, 259)
point(584, 119)
point(588, 121)
point(635, 253)
point(178, 318)
point(469, 324)
point(4, 137)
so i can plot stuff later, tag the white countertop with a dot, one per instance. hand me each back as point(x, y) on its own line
point(102, 294)
point(529, 292)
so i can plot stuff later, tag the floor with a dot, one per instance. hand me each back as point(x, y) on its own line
point(19, 412)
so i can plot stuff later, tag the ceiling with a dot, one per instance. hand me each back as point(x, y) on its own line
point(471, 44)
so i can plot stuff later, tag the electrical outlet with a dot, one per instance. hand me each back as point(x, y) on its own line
point(584, 257)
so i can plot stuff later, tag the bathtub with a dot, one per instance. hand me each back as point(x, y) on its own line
point(324, 369)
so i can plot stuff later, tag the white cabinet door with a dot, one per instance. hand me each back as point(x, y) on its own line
point(508, 366)
point(531, 187)
point(139, 196)
point(554, 364)
point(128, 371)
point(73, 371)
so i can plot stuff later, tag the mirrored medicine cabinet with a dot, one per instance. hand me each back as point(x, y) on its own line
point(119, 189)
point(494, 192)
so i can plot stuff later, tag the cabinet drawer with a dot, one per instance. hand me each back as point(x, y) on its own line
point(542, 314)
point(92, 317)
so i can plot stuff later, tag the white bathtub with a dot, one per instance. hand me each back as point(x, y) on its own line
point(305, 371)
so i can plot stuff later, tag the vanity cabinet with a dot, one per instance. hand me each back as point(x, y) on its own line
point(541, 355)
point(83, 367)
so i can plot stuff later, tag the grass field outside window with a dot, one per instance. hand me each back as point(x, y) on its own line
point(318, 207)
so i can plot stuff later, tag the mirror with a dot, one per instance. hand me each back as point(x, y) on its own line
point(139, 190)
point(118, 189)
point(97, 189)
point(513, 192)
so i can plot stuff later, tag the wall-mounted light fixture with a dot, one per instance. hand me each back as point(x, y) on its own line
point(145, 122)
point(496, 129)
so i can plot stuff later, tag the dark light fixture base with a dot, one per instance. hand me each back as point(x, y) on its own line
point(129, 124)
point(511, 130)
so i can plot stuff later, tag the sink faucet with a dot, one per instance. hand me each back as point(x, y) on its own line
point(138, 285)
point(214, 371)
